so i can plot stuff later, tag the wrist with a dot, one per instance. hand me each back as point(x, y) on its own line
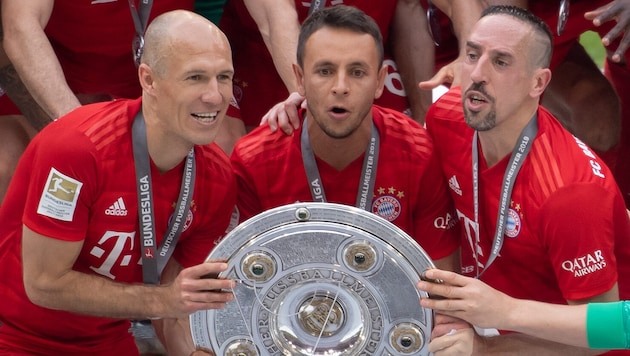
point(481, 344)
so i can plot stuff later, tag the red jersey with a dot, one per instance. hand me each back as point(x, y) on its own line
point(270, 173)
point(95, 201)
point(257, 85)
point(567, 234)
point(92, 41)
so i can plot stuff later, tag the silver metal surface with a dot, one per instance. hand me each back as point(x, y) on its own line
point(318, 279)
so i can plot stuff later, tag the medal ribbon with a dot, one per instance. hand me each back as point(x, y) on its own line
point(519, 153)
point(152, 264)
point(368, 175)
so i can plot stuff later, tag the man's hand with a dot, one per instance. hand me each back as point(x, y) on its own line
point(465, 298)
point(192, 290)
point(285, 114)
point(451, 336)
point(447, 74)
point(618, 10)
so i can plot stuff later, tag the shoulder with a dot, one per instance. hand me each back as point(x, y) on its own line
point(262, 143)
point(212, 160)
point(394, 124)
point(447, 106)
point(445, 116)
point(101, 128)
point(560, 162)
point(401, 136)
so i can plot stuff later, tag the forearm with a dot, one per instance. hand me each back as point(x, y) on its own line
point(414, 54)
point(93, 295)
point(562, 323)
point(175, 335)
point(14, 88)
point(463, 14)
point(521, 344)
point(279, 27)
point(566, 324)
point(35, 61)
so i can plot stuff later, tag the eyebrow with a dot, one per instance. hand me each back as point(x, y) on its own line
point(498, 53)
point(330, 63)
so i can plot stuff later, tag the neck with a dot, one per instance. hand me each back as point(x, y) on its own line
point(501, 140)
point(165, 150)
point(339, 152)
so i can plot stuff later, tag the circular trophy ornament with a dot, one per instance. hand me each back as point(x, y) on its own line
point(318, 279)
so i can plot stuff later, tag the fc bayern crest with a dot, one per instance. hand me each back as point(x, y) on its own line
point(386, 207)
point(189, 219)
point(513, 226)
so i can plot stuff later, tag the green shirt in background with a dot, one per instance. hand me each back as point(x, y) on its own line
point(210, 9)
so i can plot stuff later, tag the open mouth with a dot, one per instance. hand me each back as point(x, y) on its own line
point(477, 99)
point(338, 110)
point(206, 118)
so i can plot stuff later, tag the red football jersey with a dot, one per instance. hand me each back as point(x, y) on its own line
point(567, 234)
point(270, 173)
point(76, 182)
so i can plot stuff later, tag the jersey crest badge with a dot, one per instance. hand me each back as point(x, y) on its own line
point(387, 207)
point(513, 225)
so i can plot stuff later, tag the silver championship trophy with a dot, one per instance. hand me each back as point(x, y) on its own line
point(318, 279)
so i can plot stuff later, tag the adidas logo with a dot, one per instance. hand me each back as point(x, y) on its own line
point(117, 209)
point(452, 182)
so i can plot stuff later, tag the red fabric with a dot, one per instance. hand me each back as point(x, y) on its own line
point(567, 233)
point(257, 85)
point(92, 41)
point(270, 173)
point(92, 153)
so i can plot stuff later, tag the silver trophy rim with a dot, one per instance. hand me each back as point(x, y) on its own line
point(411, 256)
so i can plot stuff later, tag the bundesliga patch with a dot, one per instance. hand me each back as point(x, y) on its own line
point(513, 225)
point(60, 195)
point(386, 207)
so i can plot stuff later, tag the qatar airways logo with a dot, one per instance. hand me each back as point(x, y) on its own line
point(587, 264)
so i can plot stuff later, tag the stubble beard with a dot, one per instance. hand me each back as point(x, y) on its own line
point(478, 122)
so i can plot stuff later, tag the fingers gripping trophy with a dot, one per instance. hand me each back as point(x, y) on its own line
point(318, 279)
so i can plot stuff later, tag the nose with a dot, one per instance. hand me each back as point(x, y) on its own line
point(478, 70)
point(340, 86)
point(211, 93)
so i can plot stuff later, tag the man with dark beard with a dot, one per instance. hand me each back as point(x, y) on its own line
point(542, 216)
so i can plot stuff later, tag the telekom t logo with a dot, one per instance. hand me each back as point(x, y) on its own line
point(117, 253)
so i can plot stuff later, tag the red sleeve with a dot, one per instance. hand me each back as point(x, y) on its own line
point(582, 255)
point(60, 212)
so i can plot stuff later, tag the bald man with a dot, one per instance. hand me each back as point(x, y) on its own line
point(95, 229)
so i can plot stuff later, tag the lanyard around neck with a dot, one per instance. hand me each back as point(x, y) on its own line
point(368, 175)
point(152, 264)
point(140, 20)
point(140, 17)
point(519, 153)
